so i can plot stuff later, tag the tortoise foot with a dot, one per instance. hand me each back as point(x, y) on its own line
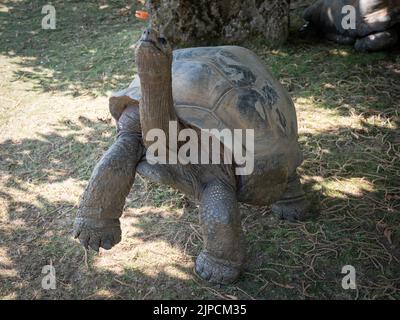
point(215, 270)
point(293, 206)
point(292, 209)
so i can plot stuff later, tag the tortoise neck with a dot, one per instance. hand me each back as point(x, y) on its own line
point(157, 106)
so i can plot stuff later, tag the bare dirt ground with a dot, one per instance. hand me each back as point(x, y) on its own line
point(55, 124)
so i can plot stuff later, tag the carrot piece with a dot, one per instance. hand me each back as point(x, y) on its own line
point(142, 15)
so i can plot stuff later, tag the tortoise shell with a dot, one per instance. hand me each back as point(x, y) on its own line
point(229, 87)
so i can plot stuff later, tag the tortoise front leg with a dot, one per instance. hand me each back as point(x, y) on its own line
point(97, 222)
point(222, 257)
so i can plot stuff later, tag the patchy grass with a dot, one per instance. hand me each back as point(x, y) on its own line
point(55, 125)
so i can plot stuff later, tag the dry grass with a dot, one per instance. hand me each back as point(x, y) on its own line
point(54, 126)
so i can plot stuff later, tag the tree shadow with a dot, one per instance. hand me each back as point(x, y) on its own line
point(88, 52)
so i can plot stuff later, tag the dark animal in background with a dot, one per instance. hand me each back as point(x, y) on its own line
point(377, 23)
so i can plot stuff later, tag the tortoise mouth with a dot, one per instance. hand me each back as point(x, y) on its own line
point(152, 49)
point(148, 44)
point(147, 50)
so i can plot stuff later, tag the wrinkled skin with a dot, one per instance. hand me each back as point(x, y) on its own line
point(377, 23)
point(215, 187)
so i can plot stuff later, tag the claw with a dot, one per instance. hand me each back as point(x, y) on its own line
point(95, 234)
point(116, 238)
point(199, 268)
point(206, 275)
point(107, 244)
point(215, 272)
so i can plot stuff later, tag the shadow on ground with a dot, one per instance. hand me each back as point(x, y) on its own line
point(88, 52)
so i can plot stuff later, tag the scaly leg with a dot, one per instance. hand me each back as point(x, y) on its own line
point(97, 222)
point(222, 258)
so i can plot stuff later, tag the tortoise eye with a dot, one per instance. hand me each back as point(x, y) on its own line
point(162, 40)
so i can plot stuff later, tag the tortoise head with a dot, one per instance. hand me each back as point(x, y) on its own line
point(153, 55)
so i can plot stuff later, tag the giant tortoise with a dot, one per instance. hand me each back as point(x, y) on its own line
point(225, 87)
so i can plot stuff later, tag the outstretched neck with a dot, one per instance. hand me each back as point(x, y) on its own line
point(157, 105)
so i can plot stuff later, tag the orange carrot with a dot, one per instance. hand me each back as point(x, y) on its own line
point(142, 15)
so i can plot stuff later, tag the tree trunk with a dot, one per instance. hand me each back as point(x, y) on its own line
point(214, 22)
